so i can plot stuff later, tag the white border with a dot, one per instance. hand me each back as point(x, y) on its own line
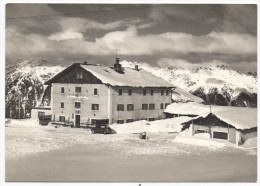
point(2, 81)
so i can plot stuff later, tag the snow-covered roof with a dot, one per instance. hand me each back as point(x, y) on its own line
point(180, 95)
point(190, 108)
point(130, 77)
point(239, 117)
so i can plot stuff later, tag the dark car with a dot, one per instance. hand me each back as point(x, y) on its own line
point(102, 129)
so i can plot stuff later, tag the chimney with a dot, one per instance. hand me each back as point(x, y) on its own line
point(117, 60)
point(118, 66)
point(136, 67)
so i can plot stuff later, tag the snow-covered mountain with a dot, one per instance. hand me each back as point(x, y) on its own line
point(214, 84)
point(25, 80)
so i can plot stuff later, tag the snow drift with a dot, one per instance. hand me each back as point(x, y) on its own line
point(166, 125)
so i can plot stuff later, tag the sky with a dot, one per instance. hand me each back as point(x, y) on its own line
point(160, 35)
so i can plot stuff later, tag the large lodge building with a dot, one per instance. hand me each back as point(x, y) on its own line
point(87, 93)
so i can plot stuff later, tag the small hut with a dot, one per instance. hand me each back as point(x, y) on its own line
point(235, 125)
point(38, 112)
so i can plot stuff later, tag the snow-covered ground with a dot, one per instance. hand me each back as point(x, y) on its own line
point(165, 125)
point(27, 137)
point(46, 153)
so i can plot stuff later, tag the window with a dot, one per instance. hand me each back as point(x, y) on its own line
point(162, 92)
point(79, 75)
point(95, 92)
point(120, 121)
point(129, 120)
point(161, 105)
point(95, 106)
point(167, 92)
point(151, 119)
point(201, 131)
point(144, 92)
point(41, 114)
point(130, 107)
point(62, 119)
point(129, 92)
point(166, 104)
point(120, 107)
point(93, 121)
point(78, 90)
point(144, 106)
point(151, 92)
point(151, 106)
point(77, 104)
point(220, 135)
point(62, 105)
point(120, 92)
point(62, 90)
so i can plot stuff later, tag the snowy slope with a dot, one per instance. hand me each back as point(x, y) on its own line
point(216, 84)
point(25, 80)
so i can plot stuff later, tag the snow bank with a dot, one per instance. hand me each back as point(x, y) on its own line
point(166, 125)
point(199, 142)
point(202, 135)
point(250, 143)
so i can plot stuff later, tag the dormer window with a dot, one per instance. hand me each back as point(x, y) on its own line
point(79, 75)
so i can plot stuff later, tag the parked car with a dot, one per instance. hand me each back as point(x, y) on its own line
point(102, 129)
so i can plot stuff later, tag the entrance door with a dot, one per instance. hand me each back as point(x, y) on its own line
point(77, 121)
point(220, 135)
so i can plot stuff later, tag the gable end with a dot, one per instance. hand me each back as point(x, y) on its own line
point(74, 74)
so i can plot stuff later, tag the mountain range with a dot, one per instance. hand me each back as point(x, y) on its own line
point(217, 85)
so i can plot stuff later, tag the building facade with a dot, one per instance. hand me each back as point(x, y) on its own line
point(84, 94)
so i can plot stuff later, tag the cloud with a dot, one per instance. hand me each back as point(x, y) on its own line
point(235, 18)
point(129, 42)
point(166, 62)
point(185, 64)
point(239, 18)
point(66, 35)
point(83, 24)
point(205, 13)
point(27, 10)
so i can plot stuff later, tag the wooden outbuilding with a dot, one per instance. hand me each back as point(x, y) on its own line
point(235, 124)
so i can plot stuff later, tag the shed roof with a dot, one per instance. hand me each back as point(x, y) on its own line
point(239, 117)
point(130, 77)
